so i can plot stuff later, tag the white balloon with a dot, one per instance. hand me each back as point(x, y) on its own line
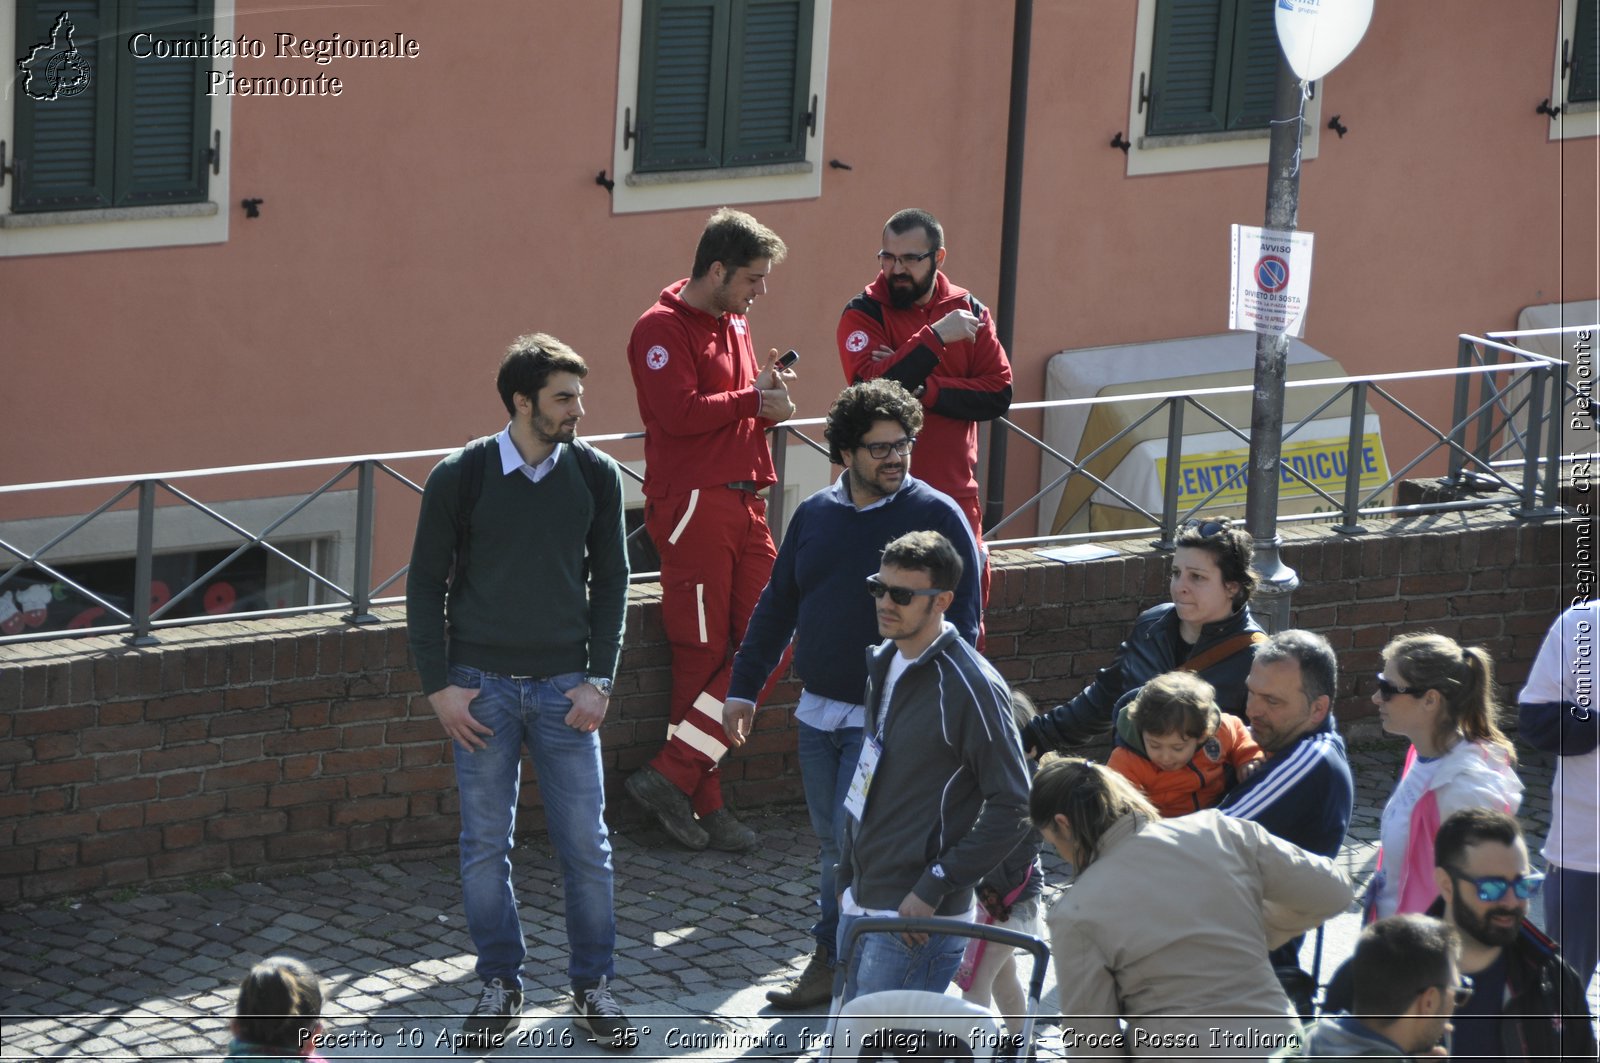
point(1317, 35)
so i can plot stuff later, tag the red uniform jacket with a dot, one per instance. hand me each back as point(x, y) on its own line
point(963, 383)
point(694, 376)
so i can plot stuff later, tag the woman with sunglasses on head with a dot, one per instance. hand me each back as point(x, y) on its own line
point(1167, 922)
point(1206, 628)
point(1440, 696)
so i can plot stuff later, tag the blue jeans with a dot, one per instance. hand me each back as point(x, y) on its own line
point(827, 764)
point(884, 961)
point(533, 711)
point(1571, 906)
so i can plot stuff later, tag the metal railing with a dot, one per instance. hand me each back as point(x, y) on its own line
point(1504, 449)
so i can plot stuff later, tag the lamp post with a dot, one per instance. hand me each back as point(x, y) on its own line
point(1314, 36)
point(1276, 580)
point(994, 481)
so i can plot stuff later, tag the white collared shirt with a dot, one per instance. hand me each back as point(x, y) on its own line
point(511, 458)
point(841, 490)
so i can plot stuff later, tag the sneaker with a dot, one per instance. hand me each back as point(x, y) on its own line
point(655, 792)
point(600, 1014)
point(812, 989)
point(726, 832)
point(498, 1012)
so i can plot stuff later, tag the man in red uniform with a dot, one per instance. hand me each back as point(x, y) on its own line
point(936, 339)
point(706, 405)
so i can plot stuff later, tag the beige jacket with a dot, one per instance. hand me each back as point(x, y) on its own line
point(1169, 928)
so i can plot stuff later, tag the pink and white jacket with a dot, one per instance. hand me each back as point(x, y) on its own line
point(1470, 775)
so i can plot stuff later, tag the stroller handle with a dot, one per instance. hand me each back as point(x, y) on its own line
point(880, 924)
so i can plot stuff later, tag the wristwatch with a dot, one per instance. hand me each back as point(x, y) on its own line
point(600, 683)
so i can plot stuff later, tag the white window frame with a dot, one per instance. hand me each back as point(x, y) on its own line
point(1575, 119)
point(118, 228)
point(673, 190)
point(1197, 151)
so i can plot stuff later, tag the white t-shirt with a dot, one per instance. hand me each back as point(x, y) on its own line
point(1565, 671)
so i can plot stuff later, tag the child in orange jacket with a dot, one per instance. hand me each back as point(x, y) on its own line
point(1181, 750)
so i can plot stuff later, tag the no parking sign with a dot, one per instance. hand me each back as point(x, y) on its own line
point(1271, 280)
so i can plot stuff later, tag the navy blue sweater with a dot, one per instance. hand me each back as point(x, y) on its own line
point(818, 591)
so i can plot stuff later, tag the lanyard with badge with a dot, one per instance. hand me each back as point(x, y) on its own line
point(855, 799)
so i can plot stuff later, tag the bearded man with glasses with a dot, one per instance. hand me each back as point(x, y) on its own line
point(816, 598)
point(913, 326)
point(1526, 1003)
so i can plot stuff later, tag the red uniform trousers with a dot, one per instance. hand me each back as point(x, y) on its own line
point(716, 557)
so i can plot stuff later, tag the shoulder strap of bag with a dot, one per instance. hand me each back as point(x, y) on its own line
point(1222, 651)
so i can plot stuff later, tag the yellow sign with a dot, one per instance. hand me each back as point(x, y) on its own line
point(1322, 462)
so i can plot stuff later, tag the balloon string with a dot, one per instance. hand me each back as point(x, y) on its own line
point(1300, 134)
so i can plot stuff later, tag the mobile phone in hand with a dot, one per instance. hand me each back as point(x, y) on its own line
point(788, 359)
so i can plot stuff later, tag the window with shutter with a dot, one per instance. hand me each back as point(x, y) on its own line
point(722, 83)
point(127, 131)
point(1574, 94)
point(1583, 55)
point(1202, 86)
point(1212, 66)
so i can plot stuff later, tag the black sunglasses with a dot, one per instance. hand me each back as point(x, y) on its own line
point(899, 595)
point(1493, 887)
point(1387, 690)
point(1461, 992)
point(1208, 528)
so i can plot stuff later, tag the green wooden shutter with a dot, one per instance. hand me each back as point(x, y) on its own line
point(65, 146)
point(1189, 66)
point(769, 79)
point(683, 51)
point(165, 119)
point(1255, 66)
point(1585, 54)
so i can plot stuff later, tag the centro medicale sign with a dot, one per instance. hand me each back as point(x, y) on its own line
point(1323, 462)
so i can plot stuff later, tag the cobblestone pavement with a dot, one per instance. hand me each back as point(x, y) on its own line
point(701, 937)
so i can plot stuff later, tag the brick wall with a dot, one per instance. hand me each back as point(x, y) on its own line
point(239, 746)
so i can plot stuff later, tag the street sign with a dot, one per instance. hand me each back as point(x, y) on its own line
point(1271, 281)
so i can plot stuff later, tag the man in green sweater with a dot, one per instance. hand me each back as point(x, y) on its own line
point(515, 605)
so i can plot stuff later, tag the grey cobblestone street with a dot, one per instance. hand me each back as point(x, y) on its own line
point(701, 937)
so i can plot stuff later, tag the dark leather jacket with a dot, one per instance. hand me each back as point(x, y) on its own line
point(1147, 653)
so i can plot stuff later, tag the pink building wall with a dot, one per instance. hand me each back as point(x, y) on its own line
point(442, 205)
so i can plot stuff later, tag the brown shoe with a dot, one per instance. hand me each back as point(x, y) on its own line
point(656, 794)
point(727, 833)
point(812, 989)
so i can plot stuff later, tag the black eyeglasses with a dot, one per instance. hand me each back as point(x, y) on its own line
point(885, 259)
point(1208, 528)
point(899, 595)
point(879, 451)
point(1492, 888)
point(1461, 992)
point(1387, 690)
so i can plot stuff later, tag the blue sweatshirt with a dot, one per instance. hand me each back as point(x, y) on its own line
point(818, 591)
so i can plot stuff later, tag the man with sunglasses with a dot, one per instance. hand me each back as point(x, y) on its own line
point(816, 597)
point(913, 326)
point(1526, 1002)
point(939, 795)
point(1408, 984)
